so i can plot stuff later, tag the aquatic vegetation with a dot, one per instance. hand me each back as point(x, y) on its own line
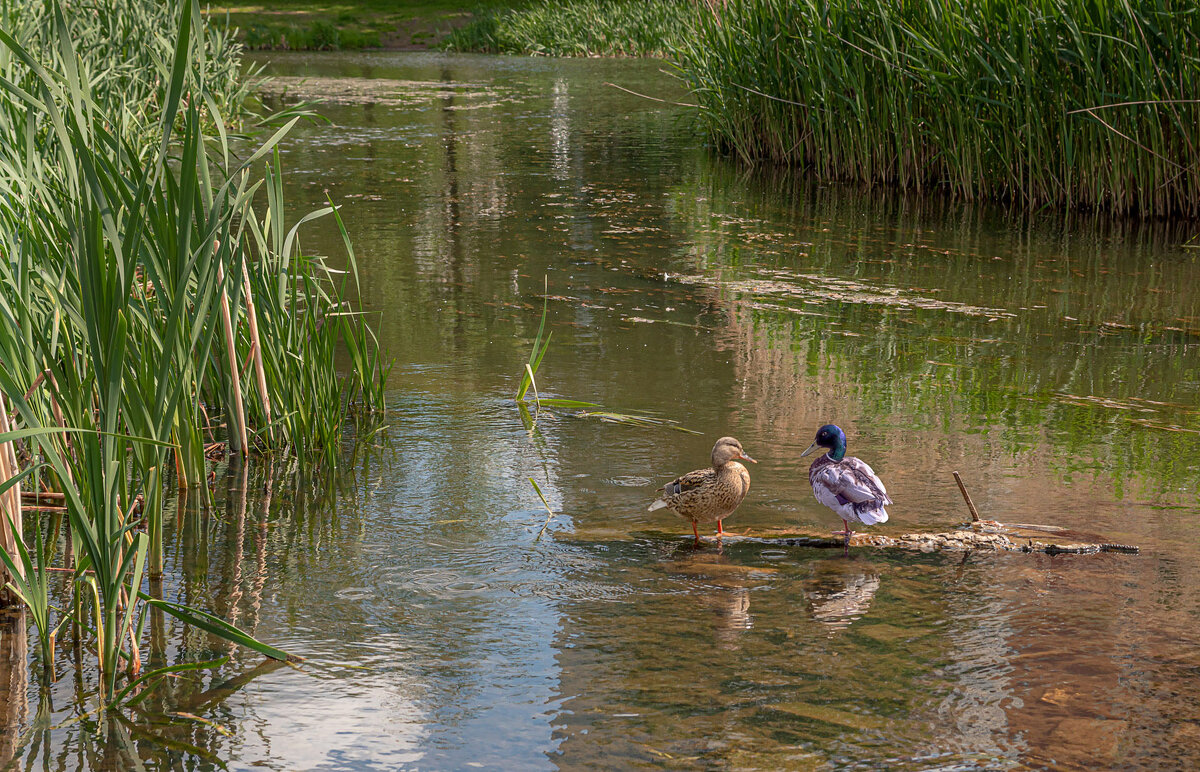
point(535, 355)
point(139, 284)
point(577, 28)
point(1052, 103)
point(582, 409)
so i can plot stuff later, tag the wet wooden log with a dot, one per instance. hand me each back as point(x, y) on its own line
point(985, 535)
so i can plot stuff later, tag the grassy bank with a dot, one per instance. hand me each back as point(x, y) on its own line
point(1056, 102)
point(155, 309)
point(311, 25)
point(577, 28)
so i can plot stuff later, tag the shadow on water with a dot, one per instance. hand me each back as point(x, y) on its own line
point(1053, 362)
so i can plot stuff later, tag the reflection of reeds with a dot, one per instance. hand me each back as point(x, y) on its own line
point(14, 686)
point(546, 504)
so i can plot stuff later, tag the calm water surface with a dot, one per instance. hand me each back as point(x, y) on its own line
point(1054, 362)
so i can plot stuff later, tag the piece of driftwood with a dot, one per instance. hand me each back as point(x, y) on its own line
point(983, 535)
point(966, 497)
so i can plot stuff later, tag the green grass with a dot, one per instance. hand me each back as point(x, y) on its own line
point(1062, 103)
point(309, 25)
point(578, 28)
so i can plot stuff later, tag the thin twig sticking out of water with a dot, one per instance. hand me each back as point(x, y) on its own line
point(967, 497)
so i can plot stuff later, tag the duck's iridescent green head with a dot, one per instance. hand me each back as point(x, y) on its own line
point(829, 436)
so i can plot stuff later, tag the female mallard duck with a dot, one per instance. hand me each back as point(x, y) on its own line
point(706, 495)
point(846, 484)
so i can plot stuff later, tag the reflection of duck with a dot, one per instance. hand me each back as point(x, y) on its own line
point(708, 495)
point(732, 606)
point(720, 586)
point(845, 484)
point(839, 598)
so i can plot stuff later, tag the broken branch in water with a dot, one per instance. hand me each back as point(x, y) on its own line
point(967, 497)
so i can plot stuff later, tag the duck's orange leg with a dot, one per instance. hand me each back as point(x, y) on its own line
point(697, 532)
point(720, 530)
point(845, 530)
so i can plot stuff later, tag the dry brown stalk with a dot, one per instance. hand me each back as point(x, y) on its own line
point(10, 509)
point(237, 437)
point(256, 345)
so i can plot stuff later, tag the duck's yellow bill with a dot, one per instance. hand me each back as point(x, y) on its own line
point(811, 448)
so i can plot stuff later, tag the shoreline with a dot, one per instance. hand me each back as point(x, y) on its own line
point(383, 25)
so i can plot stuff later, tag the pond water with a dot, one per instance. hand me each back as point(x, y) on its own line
point(1054, 361)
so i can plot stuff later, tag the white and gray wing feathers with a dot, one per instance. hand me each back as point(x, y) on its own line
point(853, 480)
point(851, 488)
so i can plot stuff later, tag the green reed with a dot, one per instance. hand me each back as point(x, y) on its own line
point(132, 251)
point(577, 28)
point(1053, 102)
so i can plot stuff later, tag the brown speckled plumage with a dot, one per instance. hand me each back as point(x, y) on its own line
point(709, 495)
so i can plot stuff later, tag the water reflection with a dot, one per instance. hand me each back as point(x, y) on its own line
point(14, 683)
point(720, 586)
point(840, 592)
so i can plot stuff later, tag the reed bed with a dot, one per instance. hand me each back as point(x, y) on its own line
point(577, 28)
point(149, 311)
point(1065, 103)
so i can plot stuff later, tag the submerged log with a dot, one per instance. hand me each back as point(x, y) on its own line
point(982, 535)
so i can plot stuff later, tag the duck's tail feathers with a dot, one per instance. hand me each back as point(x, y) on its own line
point(872, 515)
point(660, 504)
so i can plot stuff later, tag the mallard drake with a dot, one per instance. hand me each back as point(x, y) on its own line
point(845, 484)
point(708, 495)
